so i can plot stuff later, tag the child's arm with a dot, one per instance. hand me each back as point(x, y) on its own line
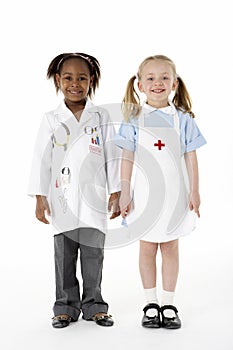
point(112, 163)
point(126, 173)
point(192, 168)
point(42, 206)
point(40, 176)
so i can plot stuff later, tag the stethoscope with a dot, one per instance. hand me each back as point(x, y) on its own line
point(67, 137)
point(89, 130)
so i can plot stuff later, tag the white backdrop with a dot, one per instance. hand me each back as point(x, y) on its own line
point(197, 36)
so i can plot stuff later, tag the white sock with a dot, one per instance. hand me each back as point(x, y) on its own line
point(151, 297)
point(167, 299)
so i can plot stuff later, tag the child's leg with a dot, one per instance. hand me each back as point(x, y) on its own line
point(67, 286)
point(92, 256)
point(170, 269)
point(170, 264)
point(147, 266)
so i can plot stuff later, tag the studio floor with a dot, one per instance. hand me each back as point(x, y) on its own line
point(203, 297)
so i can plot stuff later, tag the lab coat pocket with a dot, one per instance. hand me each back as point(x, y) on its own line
point(93, 205)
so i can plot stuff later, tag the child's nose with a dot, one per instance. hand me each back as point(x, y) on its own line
point(158, 81)
point(75, 83)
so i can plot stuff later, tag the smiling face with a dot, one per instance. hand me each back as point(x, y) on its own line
point(74, 80)
point(157, 81)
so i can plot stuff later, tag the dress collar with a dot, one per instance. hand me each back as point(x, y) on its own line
point(171, 109)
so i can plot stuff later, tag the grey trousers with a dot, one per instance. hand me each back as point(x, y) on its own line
point(89, 242)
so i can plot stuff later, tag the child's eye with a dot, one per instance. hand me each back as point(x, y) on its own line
point(67, 78)
point(82, 78)
point(165, 78)
point(150, 79)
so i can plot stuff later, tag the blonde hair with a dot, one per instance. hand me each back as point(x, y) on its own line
point(131, 105)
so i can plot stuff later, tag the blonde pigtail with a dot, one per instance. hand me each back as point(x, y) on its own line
point(131, 101)
point(182, 98)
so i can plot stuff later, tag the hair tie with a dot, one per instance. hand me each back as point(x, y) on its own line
point(70, 55)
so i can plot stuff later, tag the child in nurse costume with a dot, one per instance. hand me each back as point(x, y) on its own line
point(74, 159)
point(159, 178)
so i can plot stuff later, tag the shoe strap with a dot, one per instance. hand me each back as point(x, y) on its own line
point(169, 307)
point(151, 306)
point(62, 318)
point(101, 317)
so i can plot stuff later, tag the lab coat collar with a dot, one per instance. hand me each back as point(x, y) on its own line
point(171, 109)
point(65, 113)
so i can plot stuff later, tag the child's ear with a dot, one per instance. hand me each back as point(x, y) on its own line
point(175, 85)
point(140, 87)
point(91, 81)
point(57, 77)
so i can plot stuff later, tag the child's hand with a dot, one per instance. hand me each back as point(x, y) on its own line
point(42, 206)
point(113, 205)
point(195, 202)
point(125, 204)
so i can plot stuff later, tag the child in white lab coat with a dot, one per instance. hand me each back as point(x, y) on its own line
point(74, 159)
point(162, 136)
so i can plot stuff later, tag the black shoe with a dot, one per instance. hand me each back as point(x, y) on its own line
point(151, 322)
point(61, 321)
point(170, 322)
point(103, 320)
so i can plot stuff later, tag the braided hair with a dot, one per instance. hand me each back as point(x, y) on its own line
point(56, 64)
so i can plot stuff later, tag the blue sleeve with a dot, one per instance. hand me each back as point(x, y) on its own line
point(126, 137)
point(191, 136)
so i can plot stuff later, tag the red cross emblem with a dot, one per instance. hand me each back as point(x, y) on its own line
point(159, 144)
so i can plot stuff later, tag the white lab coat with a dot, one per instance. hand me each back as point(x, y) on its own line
point(73, 163)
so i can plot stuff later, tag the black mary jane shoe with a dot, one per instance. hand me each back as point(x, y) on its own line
point(103, 320)
point(170, 322)
point(61, 321)
point(151, 322)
